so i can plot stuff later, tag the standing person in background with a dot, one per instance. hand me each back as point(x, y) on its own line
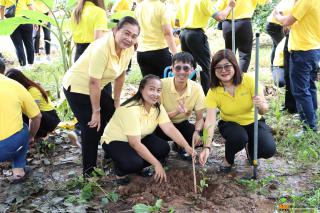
point(49, 119)
point(304, 47)
point(42, 8)
point(104, 61)
point(15, 137)
point(156, 37)
point(193, 17)
point(275, 29)
point(88, 23)
point(121, 5)
point(22, 35)
point(243, 12)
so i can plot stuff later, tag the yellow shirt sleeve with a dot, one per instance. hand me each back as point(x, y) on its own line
point(165, 16)
point(163, 116)
point(98, 60)
point(221, 4)
point(28, 106)
point(210, 101)
point(300, 8)
point(101, 21)
point(29, 2)
point(36, 94)
point(208, 7)
point(3, 3)
point(200, 100)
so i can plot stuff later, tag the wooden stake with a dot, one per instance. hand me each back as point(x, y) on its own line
point(194, 171)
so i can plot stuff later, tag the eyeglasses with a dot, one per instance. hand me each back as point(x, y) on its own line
point(184, 68)
point(226, 67)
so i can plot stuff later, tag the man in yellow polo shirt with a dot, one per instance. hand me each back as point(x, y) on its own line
point(193, 17)
point(243, 12)
point(180, 97)
point(14, 135)
point(304, 45)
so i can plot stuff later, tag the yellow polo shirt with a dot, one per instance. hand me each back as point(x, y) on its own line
point(193, 98)
point(99, 61)
point(152, 15)
point(93, 18)
point(22, 5)
point(305, 32)
point(237, 109)
point(39, 99)
point(133, 121)
point(283, 6)
point(15, 100)
point(195, 13)
point(243, 8)
point(278, 56)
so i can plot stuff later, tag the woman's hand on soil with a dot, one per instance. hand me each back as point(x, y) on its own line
point(160, 174)
point(95, 120)
point(204, 156)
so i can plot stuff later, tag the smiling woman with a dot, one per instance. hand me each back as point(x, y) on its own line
point(104, 61)
point(130, 132)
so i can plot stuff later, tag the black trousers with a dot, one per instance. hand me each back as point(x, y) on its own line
point(185, 128)
point(126, 160)
point(80, 48)
point(47, 38)
point(22, 38)
point(243, 40)
point(238, 136)
point(196, 43)
point(154, 62)
point(289, 101)
point(49, 121)
point(80, 105)
point(275, 31)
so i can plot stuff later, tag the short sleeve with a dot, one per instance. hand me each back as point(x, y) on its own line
point(221, 4)
point(210, 101)
point(163, 116)
point(3, 3)
point(98, 59)
point(209, 8)
point(200, 99)
point(28, 105)
point(300, 8)
point(129, 118)
point(101, 22)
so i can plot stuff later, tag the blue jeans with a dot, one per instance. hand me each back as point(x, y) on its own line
point(15, 148)
point(303, 73)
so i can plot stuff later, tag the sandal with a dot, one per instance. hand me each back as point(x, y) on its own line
point(20, 179)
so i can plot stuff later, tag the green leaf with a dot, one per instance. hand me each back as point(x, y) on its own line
point(86, 192)
point(117, 16)
point(104, 201)
point(158, 204)
point(71, 4)
point(99, 171)
point(48, 3)
point(113, 197)
point(31, 14)
point(7, 26)
point(142, 208)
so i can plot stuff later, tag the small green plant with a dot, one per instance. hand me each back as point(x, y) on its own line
point(204, 180)
point(111, 196)
point(45, 147)
point(143, 208)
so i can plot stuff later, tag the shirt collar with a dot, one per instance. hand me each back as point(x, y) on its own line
point(173, 88)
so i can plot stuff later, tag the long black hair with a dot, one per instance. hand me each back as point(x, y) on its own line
point(137, 99)
point(18, 76)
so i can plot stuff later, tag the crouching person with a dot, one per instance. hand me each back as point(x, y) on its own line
point(14, 135)
point(129, 136)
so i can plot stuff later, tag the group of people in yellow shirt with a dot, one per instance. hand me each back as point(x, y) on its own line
point(135, 133)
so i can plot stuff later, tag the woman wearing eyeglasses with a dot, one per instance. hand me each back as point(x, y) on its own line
point(233, 94)
point(180, 97)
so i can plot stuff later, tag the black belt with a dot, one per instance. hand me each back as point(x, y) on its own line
point(240, 19)
point(194, 29)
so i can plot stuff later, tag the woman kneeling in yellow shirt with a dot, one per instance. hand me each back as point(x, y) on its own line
point(49, 119)
point(233, 94)
point(129, 137)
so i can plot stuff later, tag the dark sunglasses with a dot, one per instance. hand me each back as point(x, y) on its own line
point(184, 68)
